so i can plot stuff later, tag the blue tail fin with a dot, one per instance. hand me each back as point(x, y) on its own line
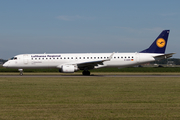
point(159, 45)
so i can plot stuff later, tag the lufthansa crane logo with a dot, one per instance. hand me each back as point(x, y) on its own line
point(160, 42)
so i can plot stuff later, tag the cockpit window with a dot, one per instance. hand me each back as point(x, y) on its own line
point(13, 58)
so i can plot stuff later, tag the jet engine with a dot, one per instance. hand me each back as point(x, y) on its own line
point(68, 69)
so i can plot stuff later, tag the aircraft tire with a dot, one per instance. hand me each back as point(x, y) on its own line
point(86, 72)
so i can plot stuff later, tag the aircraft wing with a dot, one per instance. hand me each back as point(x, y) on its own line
point(164, 56)
point(91, 64)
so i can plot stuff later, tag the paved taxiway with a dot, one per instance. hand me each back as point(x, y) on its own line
point(90, 76)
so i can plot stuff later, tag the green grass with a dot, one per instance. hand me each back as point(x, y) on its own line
point(130, 69)
point(103, 98)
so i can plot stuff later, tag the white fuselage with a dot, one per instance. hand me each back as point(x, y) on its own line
point(58, 60)
point(69, 63)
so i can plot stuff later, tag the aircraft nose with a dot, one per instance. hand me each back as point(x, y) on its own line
point(5, 64)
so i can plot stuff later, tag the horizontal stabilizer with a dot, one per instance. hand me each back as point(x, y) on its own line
point(164, 56)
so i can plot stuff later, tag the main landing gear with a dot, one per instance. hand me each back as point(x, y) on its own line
point(86, 72)
point(21, 71)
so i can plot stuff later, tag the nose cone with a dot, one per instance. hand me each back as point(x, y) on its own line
point(5, 64)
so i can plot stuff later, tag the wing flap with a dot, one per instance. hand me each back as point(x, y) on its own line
point(91, 63)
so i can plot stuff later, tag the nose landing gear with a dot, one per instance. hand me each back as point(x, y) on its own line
point(21, 71)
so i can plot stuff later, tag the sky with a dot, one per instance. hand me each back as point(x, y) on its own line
point(86, 26)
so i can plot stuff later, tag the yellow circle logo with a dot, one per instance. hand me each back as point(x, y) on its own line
point(160, 42)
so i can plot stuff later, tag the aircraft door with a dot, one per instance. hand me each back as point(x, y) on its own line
point(25, 59)
point(137, 57)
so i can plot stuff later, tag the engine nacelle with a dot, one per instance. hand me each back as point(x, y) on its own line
point(20, 70)
point(68, 69)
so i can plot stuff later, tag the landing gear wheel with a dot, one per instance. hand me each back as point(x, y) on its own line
point(21, 73)
point(85, 72)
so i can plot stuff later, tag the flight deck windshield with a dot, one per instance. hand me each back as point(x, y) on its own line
point(13, 58)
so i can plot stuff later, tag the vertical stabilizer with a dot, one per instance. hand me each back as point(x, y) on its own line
point(159, 45)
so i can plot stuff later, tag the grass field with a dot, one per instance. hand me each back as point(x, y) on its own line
point(129, 69)
point(92, 73)
point(76, 98)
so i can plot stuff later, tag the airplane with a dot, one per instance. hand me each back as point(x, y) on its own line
point(70, 63)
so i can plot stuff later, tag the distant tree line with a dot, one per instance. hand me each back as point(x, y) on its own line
point(175, 61)
point(2, 61)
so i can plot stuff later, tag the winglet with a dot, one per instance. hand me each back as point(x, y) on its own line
point(110, 57)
